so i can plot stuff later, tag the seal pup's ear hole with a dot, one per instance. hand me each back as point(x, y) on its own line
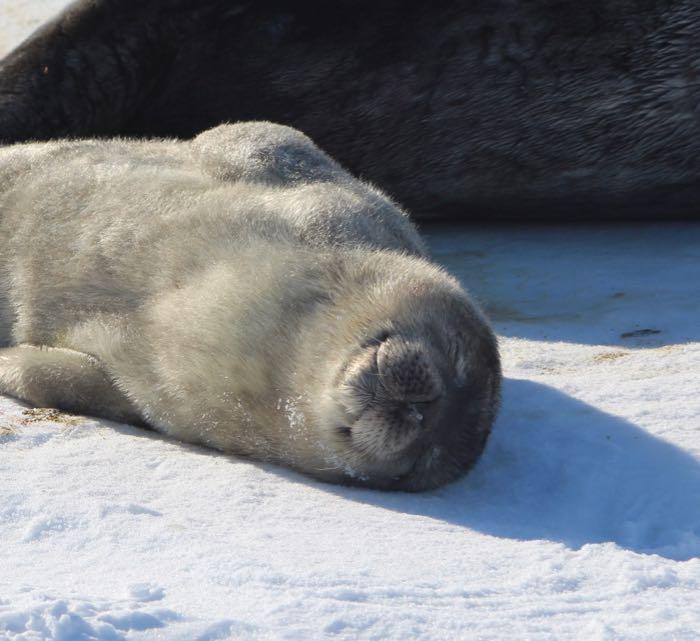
point(407, 372)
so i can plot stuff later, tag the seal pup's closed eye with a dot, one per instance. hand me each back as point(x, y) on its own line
point(241, 291)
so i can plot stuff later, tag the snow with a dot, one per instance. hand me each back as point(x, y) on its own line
point(581, 521)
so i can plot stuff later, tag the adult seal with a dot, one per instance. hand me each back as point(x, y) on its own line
point(471, 109)
point(245, 292)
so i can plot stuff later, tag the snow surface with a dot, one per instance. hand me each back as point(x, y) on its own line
point(580, 522)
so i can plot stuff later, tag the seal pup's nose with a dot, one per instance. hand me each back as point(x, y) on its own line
point(407, 372)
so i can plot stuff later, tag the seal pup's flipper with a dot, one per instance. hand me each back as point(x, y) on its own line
point(266, 153)
point(64, 379)
point(322, 201)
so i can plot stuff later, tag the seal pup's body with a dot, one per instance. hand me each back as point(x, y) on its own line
point(471, 110)
point(244, 292)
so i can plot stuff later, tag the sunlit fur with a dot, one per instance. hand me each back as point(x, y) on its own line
point(241, 291)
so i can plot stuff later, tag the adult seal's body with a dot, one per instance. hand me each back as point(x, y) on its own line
point(475, 110)
point(241, 291)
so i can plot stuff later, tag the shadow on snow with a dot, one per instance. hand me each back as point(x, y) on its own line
point(556, 468)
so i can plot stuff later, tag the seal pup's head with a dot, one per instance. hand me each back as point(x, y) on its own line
point(411, 390)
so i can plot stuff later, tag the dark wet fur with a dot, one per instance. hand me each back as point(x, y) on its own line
point(478, 109)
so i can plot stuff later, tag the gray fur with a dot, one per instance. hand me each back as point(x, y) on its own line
point(245, 292)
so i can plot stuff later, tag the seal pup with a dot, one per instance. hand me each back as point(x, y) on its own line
point(244, 292)
point(537, 110)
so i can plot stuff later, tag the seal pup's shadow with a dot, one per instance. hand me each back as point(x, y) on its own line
point(556, 468)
